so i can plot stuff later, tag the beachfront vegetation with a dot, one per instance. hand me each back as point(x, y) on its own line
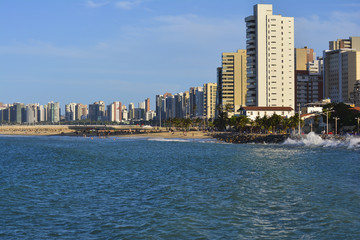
point(266, 124)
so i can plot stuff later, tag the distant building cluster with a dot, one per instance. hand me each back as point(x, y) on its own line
point(18, 113)
point(31, 113)
point(198, 102)
point(269, 76)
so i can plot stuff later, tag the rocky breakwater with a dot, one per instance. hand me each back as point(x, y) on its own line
point(251, 138)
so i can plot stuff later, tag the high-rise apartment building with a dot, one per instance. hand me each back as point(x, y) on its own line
point(147, 104)
point(150, 115)
point(270, 58)
point(210, 90)
point(131, 111)
point(53, 112)
point(316, 66)
point(81, 111)
point(41, 114)
point(170, 107)
point(232, 81)
point(302, 57)
point(115, 112)
point(196, 101)
point(351, 43)
point(161, 106)
point(125, 114)
point(158, 106)
point(97, 111)
point(31, 113)
point(70, 112)
point(141, 105)
point(308, 77)
point(341, 71)
point(308, 88)
point(17, 112)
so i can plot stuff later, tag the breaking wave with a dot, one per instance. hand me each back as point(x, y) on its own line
point(314, 140)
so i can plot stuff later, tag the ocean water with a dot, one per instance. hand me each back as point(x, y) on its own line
point(115, 188)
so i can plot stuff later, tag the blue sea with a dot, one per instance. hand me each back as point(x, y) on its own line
point(118, 188)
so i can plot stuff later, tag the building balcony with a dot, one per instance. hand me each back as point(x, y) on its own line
point(250, 36)
point(250, 19)
point(251, 86)
point(250, 30)
point(250, 75)
point(250, 41)
point(250, 58)
point(250, 24)
point(250, 47)
point(251, 52)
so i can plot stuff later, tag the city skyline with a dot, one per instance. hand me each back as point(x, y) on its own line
point(131, 50)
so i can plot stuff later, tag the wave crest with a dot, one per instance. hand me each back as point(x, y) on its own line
point(314, 140)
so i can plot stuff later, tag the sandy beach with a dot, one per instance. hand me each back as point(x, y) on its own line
point(53, 130)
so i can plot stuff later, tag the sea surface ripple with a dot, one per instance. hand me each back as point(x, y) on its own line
point(83, 188)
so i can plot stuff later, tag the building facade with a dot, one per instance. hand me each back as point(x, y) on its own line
point(232, 80)
point(115, 112)
point(270, 58)
point(97, 111)
point(308, 88)
point(356, 94)
point(341, 71)
point(53, 113)
point(253, 112)
point(302, 57)
point(70, 112)
point(210, 90)
point(351, 43)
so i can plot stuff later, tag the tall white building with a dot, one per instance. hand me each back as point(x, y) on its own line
point(70, 112)
point(31, 111)
point(115, 112)
point(270, 58)
point(210, 100)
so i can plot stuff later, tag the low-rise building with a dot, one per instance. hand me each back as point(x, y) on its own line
point(253, 112)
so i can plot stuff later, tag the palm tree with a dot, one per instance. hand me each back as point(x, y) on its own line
point(243, 121)
point(285, 123)
point(294, 121)
point(228, 109)
point(275, 121)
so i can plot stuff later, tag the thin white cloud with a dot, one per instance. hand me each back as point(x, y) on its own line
point(92, 4)
point(198, 31)
point(316, 32)
point(128, 5)
point(38, 48)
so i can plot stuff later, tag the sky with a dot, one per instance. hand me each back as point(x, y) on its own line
point(128, 50)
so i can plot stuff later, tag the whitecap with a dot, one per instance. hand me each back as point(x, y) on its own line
point(314, 140)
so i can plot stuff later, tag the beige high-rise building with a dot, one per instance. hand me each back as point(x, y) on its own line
point(210, 100)
point(302, 57)
point(270, 58)
point(341, 71)
point(232, 81)
point(115, 112)
point(352, 42)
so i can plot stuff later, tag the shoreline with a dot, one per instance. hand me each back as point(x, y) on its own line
point(155, 133)
point(109, 131)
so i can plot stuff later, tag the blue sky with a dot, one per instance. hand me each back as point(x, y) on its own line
point(113, 50)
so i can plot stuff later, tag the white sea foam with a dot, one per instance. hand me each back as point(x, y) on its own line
point(314, 140)
point(198, 140)
point(169, 140)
